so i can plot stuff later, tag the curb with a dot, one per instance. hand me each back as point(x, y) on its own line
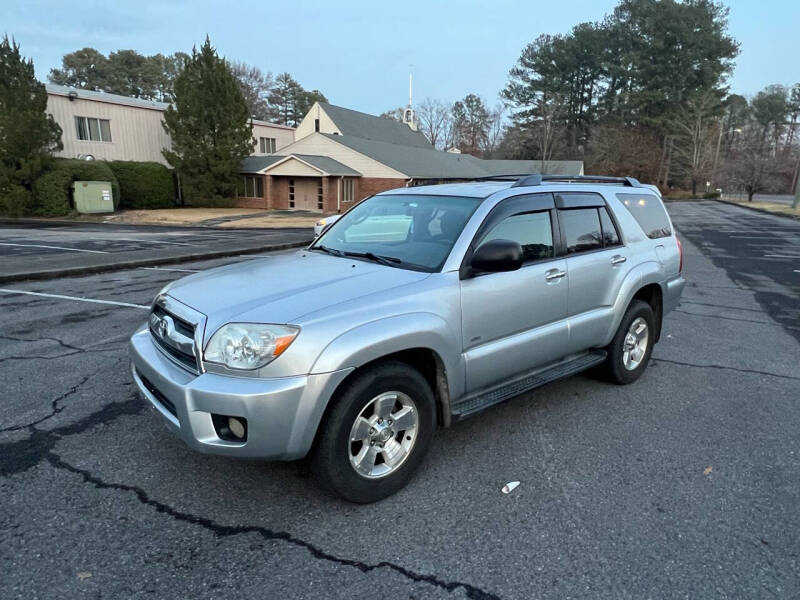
point(147, 262)
point(31, 221)
point(758, 210)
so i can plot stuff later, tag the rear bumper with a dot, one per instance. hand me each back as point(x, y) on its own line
point(282, 413)
point(673, 289)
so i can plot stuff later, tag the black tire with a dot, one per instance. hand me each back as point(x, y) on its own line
point(614, 367)
point(330, 461)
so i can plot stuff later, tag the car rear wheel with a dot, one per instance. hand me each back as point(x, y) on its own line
point(630, 350)
point(376, 434)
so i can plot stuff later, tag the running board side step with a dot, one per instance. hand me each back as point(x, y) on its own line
point(483, 399)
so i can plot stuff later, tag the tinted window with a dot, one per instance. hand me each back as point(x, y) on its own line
point(648, 212)
point(581, 229)
point(532, 231)
point(610, 235)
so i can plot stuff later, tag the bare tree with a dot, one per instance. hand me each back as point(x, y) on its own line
point(495, 131)
point(435, 121)
point(396, 114)
point(256, 87)
point(696, 134)
point(545, 127)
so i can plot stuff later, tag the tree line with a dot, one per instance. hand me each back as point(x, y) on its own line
point(280, 99)
point(642, 92)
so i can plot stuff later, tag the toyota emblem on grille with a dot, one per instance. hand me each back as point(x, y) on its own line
point(161, 326)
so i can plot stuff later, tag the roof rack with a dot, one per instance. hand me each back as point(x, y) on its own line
point(538, 179)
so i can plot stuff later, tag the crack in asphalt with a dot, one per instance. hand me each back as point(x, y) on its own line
point(725, 368)
point(220, 530)
point(96, 347)
point(54, 406)
point(21, 455)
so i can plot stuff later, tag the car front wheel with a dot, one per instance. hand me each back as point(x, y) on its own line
point(376, 433)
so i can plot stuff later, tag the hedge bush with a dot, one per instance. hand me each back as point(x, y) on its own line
point(144, 184)
point(52, 191)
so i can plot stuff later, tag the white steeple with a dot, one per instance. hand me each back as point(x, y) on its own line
point(409, 118)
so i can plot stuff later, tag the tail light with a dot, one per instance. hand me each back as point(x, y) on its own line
point(680, 255)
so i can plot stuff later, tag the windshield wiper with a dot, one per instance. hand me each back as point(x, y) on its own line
point(331, 251)
point(389, 261)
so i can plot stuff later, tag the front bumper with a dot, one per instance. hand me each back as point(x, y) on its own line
point(282, 413)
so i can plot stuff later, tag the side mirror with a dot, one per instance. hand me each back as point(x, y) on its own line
point(497, 256)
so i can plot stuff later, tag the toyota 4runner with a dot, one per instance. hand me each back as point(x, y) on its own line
point(419, 307)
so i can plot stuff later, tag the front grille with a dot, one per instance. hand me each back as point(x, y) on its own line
point(162, 399)
point(181, 353)
point(181, 326)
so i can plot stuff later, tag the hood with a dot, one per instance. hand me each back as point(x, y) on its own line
point(281, 289)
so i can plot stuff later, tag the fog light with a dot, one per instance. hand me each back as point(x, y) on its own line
point(236, 427)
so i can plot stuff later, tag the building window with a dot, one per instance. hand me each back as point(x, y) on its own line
point(320, 203)
point(91, 129)
point(266, 145)
point(291, 193)
point(251, 186)
point(348, 190)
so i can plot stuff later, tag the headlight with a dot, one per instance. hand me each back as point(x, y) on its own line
point(321, 223)
point(249, 345)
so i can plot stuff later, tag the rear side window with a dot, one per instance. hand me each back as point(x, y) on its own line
point(649, 213)
point(610, 235)
point(582, 229)
point(532, 231)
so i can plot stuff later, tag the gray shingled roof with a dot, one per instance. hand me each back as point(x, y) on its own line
point(427, 163)
point(352, 122)
point(327, 164)
point(255, 164)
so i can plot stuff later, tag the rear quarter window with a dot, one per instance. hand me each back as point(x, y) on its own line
point(649, 212)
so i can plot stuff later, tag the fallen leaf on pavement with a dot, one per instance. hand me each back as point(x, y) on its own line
point(84, 575)
point(707, 470)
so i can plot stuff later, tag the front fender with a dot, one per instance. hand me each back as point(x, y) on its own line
point(638, 277)
point(379, 338)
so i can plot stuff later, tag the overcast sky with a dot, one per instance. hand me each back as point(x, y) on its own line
point(359, 53)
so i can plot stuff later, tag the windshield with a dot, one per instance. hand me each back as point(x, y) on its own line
point(405, 231)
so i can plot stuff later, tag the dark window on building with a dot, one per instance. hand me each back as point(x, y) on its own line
point(291, 193)
point(348, 190)
point(610, 235)
point(533, 231)
point(581, 228)
point(259, 186)
point(266, 145)
point(320, 203)
point(316, 124)
point(94, 130)
point(648, 212)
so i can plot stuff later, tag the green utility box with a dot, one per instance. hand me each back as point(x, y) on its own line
point(93, 196)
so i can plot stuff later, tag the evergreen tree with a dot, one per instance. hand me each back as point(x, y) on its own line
point(210, 128)
point(289, 102)
point(28, 135)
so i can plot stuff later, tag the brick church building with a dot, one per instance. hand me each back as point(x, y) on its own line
point(341, 156)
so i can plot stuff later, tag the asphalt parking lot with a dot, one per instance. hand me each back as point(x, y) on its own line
point(685, 484)
point(50, 248)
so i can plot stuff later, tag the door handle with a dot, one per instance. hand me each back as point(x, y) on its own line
point(618, 259)
point(554, 274)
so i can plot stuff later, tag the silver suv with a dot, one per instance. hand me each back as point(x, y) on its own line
point(417, 308)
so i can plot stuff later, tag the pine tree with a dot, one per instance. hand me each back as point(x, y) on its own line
point(28, 135)
point(210, 128)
